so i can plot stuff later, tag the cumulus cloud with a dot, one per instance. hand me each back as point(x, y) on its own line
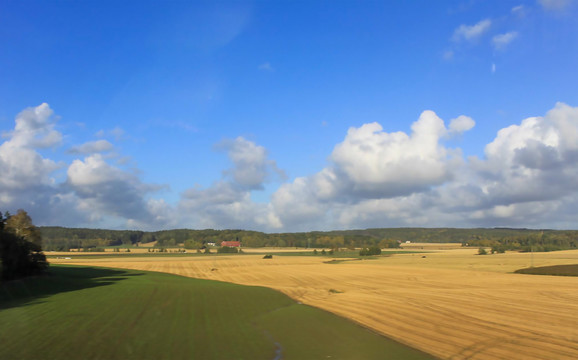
point(26, 180)
point(21, 166)
point(106, 189)
point(526, 178)
point(373, 178)
point(99, 193)
point(92, 147)
point(502, 40)
point(380, 164)
point(251, 168)
point(471, 32)
point(373, 165)
point(228, 203)
point(224, 205)
point(536, 160)
point(461, 124)
point(218, 206)
point(300, 205)
point(93, 190)
point(34, 128)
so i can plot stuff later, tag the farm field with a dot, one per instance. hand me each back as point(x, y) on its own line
point(450, 303)
point(101, 313)
point(431, 246)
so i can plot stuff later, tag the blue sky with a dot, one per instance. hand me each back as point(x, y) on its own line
point(290, 116)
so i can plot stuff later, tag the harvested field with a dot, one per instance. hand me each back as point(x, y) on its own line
point(452, 303)
point(430, 246)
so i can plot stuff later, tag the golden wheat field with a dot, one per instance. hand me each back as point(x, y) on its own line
point(451, 303)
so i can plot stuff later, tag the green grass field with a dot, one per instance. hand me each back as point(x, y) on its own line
point(97, 313)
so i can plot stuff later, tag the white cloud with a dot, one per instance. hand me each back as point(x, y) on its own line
point(92, 147)
point(299, 205)
point(461, 124)
point(161, 216)
point(527, 177)
point(519, 10)
point(21, 166)
point(227, 203)
point(34, 128)
point(555, 5)
point(93, 171)
point(251, 168)
point(223, 205)
point(382, 164)
point(502, 40)
point(108, 190)
point(472, 32)
point(371, 167)
point(535, 161)
point(26, 180)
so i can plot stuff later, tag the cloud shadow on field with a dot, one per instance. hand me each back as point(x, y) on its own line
point(59, 279)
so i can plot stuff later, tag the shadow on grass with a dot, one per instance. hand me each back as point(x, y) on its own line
point(59, 279)
point(553, 270)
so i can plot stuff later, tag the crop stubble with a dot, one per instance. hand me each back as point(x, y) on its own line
point(452, 304)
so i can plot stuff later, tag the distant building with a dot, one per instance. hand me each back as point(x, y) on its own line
point(231, 243)
point(211, 244)
point(408, 242)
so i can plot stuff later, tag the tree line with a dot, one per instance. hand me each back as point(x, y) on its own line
point(539, 241)
point(60, 238)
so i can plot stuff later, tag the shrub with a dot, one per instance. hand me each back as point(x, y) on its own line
point(374, 250)
point(498, 249)
point(227, 250)
point(268, 256)
point(482, 251)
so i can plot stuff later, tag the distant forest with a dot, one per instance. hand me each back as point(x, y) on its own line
point(499, 239)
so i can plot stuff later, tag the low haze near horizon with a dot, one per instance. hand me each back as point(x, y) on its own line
point(290, 116)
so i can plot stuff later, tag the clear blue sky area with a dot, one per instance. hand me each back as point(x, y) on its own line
point(290, 115)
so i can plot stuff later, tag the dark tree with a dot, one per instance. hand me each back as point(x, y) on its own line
point(21, 225)
point(20, 250)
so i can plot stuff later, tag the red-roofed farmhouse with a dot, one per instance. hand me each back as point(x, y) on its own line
point(231, 243)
